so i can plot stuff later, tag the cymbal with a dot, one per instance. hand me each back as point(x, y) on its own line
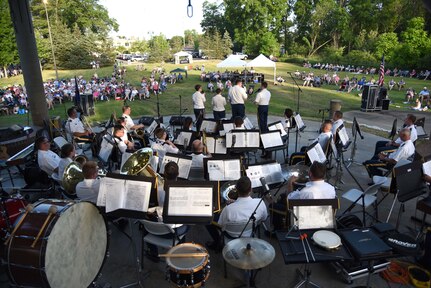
point(248, 253)
point(298, 170)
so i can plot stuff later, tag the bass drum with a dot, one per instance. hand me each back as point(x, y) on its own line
point(74, 254)
point(11, 209)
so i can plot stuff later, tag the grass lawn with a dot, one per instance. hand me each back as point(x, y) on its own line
point(311, 99)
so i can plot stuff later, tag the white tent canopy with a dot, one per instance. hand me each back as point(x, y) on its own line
point(262, 61)
point(232, 61)
point(182, 54)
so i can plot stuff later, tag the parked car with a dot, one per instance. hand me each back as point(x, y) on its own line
point(137, 58)
point(241, 56)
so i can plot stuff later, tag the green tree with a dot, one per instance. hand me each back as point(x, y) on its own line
point(386, 44)
point(176, 43)
point(8, 51)
point(227, 44)
point(140, 46)
point(213, 18)
point(159, 49)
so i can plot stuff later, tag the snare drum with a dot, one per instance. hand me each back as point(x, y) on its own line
point(70, 251)
point(11, 209)
point(188, 272)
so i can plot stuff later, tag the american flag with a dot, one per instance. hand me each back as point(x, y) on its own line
point(382, 72)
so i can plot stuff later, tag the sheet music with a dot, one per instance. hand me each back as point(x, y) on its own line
point(190, 201)
point(232, 169)
point(183, 135)
point(209, 126)
point(109, 186)
point(105, 150)
point(278, 126)
point(137, 196)
point(215, 170)
point(272, 139)
point(316, 154)
point(426, 167)
point(323, 217)
point(253, 139)
point(271, 172)
point(210, 142)
point(247, 124)
point(344, 138)
point(299, 122)
point(420, 130)
point(222, 133)
point(150, 129)
point(184, 166)
point(228, 126)
point(220, 146)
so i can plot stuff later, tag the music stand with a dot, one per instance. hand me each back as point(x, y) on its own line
point(270, 170)
point(184, 163)
point(191, 202)
point(300, 127)
point(356, 130)
point(215, 168)
point(209, 126)
point(272, 141)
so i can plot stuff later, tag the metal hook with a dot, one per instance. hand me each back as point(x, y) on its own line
point(190, 9)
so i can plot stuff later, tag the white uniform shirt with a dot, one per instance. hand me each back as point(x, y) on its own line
point(237, 95)
point(335, 126)
point(129, 121)
point(62, 166)
point(263, 97)
point(163, 148)
point(199, 100)
point(413, 134)
point(240, 211)
point(198, 160)
point(403, 152)
point(76, 125)
point(323, 139)
point(218, 103)
point(314, 190)
point(48, 161)
point(88, 190)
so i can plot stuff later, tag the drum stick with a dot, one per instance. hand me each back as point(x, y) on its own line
point(309, 248)
point(184, 255)
point(28, 209)
point(52, 210)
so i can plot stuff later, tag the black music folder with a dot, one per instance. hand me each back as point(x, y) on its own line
point(365, 244)
point(410, 181)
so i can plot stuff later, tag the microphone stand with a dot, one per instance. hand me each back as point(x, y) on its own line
point(297, 108)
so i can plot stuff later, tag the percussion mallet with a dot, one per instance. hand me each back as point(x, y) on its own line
point(28, 209)
point(51, 211)
point(303, 246)
point(184, 255)
point(309, 248)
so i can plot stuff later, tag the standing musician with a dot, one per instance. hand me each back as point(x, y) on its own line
point(129, 122)
point(237, 96)
point(199, 105)
point(262, 100)
point(218, 104)
point(47, 160)
point(162, 145)
point(237, 212)
point(88, 189)
point(409, 123)
point(317, 188)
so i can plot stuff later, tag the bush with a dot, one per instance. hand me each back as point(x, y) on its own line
point(360, 58)
point(333, 55)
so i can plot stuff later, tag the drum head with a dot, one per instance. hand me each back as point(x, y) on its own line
point(76, 247)
point(187, 264)
point(327, 239)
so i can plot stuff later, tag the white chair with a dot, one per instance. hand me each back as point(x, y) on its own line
point(155, 232)
point(362, 198)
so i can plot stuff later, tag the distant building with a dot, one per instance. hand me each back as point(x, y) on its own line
point(122, 41)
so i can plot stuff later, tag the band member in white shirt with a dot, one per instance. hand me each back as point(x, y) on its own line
point(219, 103)
point(47, 160)
point(88, 189)
point(337, 121)
point(199, 105)
point(237, 96)
point(130, 125)
point(162, 145)
point(262, 100)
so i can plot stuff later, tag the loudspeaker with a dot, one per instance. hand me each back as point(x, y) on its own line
point(90, 101)
point(87, 104)
point(369, 98)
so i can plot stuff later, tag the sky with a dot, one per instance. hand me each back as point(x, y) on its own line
point(143, 18)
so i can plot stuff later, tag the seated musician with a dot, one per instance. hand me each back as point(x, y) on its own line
point(162, 145)
point(170, 174)
point(239, 123)
point(130, 125)
point(67, 154)
point(188, 124)
point(76, 127)
point(121, 146)
point(409, 123)
point(125, 138)
point(47, 160)
point(237, 212)
point(88, 189)
point(337, 121)
point(382, 160)
point(316, 188)
point(289, 119)
point(198, 154)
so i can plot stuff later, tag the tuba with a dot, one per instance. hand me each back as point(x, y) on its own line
point(72, 176)
point(138, 163)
